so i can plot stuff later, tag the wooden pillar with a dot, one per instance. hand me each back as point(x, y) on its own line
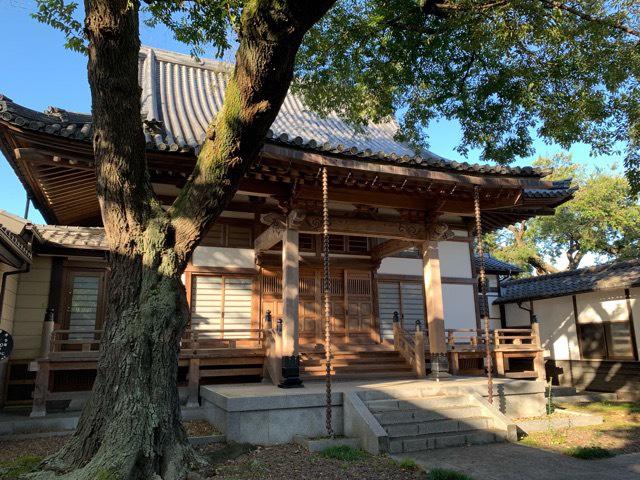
point(538, 361)
point(421, 368)
point(41, 390)
point(435, 307)
point(194, 383)
point(290, 291)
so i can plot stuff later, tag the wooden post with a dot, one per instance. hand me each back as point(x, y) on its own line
point(420, 364)
point(396, 331)
point(194, 383)
point(290, 291)
point(538, 361)
point(435, 307)
point(47, 332)
point(41, 390)
point(499, 356)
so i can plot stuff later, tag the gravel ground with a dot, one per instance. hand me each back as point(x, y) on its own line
point(199, 428)
point(294, 462)
point(37, 447)
point(244, 462)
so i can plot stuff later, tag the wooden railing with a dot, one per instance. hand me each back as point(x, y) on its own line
point(70, 343)
point(203, 339)
point(411, 345)
point(504, 339)
point(504, 344)
point(74, 343)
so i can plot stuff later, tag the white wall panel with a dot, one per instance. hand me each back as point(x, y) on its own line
point(558, 327)
point(515, 316)
point(455, 259)
point(401, 266)
point(223, 257)
point(459, 306)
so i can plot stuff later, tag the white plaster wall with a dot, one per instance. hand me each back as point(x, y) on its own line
point(595, 307)
point(455, 259)
point(515, 316)
point(223, 257)
point(634, 297)
point(558, 327)
point(401, 266)
point(9, 301)
point(459, 306)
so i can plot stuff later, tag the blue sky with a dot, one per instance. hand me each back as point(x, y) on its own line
point(37, 72)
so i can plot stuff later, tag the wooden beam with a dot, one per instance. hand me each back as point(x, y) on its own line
point(390, 247)
point(497, 181)
point(369, 228)
point(268, 238)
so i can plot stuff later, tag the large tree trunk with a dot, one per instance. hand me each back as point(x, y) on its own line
point(130, 427)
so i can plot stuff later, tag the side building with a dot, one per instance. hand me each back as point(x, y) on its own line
point(589, 324)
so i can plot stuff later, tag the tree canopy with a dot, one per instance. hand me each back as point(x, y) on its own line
point(506, 70)
point(603, 219)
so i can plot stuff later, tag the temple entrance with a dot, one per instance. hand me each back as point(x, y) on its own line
point(351, 295)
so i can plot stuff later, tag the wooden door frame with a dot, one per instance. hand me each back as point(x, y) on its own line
point(68, 272)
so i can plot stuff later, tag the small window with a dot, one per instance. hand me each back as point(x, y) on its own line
point(606, 341)
point(228, 235)
point(306, 242)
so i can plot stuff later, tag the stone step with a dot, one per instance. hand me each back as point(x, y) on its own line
point(586, 397)
point(419, 443)
point(431, 402)
point(447, 425)
point(416, 416)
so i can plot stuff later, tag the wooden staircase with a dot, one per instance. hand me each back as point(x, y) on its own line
point(355, 362)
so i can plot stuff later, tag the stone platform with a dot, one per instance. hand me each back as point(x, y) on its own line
point(265, 414)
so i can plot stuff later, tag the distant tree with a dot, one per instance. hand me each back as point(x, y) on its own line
point(602, 219)
point(503, 68)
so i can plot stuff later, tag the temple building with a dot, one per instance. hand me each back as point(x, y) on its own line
point(403, 290)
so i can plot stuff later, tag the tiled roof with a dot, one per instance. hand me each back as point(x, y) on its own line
point(493, 265)
point(622, 274)
point(74, 237)
point(180, 96)
point(15, 243)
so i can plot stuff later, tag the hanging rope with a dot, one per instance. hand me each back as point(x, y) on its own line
point(483, 291)
point(325, 287)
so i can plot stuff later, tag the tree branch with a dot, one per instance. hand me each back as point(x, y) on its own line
point(270, 34)
point(551, 4)
point(443, 10)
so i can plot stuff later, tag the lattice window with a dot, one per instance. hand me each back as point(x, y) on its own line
point(306, 242)
point(307, 285)
point(357, 244)
point(336, 243)
point(272, 285)
point(336, 286)
point(227, 235)
point(358, 286)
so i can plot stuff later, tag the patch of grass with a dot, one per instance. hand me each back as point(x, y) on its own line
point(343, 452)
point(589, 453)
point(608, 406)
point(442, 474)
point(408, 464)
point(10, 470)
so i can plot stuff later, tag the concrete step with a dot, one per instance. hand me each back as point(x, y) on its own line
point(429, 403)
point(586, 397)
point(419, 443)
point(448, 425)
point(423, 415)
point(563, 391)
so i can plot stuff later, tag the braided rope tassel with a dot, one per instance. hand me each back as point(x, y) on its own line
point(326, 286)
point(483, 291)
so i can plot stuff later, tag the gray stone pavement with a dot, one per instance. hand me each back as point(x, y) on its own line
point(508, 461)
